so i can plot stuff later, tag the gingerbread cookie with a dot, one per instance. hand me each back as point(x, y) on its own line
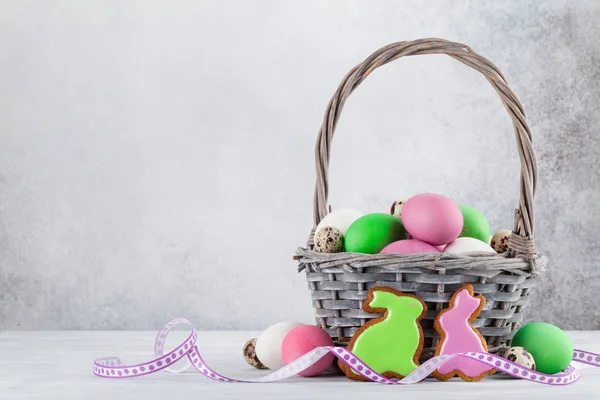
point(390, 345)
point(458, 336)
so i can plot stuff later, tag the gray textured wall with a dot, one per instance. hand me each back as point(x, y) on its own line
point(156, 158)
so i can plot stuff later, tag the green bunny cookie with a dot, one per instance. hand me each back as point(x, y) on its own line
point(390, 345)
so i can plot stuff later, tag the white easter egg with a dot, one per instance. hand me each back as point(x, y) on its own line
point(468, 245)
point(340, 219)
point(268, 344)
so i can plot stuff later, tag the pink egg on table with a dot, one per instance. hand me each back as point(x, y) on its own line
point(409, 246)
point(432, 218)
point(303, 339)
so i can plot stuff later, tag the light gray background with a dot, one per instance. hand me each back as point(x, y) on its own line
point(156, 158)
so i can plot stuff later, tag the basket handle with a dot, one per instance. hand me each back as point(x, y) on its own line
point(520, 244)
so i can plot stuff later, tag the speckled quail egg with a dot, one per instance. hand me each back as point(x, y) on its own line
point(329, 240)
point(520, 356)
point(396, 208)
point(499, 241)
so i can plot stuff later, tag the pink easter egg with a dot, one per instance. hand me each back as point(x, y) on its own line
point(409, 246)
point(432, 218)
point(303, 339)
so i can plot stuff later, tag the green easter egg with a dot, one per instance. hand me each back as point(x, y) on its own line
point(372, 232)
point(550, 347)
point(475, 224)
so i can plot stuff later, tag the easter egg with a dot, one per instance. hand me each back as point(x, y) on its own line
point(303, 339)
point(249, 352)
point(475, 224)
point(372, 232)
point(396, 208)
point(468, 245)
point(268, 343)
point(520, 356)
point(550, 347)
point(329, 240)
point(340, 219)
point(409, 246)
point(499, 241)
point(432, 218)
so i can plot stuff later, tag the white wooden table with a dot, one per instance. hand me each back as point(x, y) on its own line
point(57, 365)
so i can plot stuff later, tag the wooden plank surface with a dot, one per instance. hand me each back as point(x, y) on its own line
point(57, 365)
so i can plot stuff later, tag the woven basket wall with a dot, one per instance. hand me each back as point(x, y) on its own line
point(339, 282)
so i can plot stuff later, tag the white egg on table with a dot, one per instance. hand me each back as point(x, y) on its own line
point(468, 245)
point(268, 343)
point(340, 219)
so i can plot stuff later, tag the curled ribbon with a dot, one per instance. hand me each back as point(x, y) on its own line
point(113, 367)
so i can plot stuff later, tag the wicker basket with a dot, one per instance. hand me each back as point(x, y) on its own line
point(339, 282)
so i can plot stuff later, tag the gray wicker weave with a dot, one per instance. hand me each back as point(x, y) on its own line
point(339, 282)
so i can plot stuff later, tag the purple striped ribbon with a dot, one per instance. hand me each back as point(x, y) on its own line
point(113, 367)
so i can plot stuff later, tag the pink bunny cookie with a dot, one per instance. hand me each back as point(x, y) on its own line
point(458, 336)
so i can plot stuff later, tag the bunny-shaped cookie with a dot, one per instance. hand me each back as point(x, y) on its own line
point(458, 336)
point(390, 345)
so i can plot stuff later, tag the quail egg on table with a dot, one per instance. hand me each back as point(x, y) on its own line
point(520, 356)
